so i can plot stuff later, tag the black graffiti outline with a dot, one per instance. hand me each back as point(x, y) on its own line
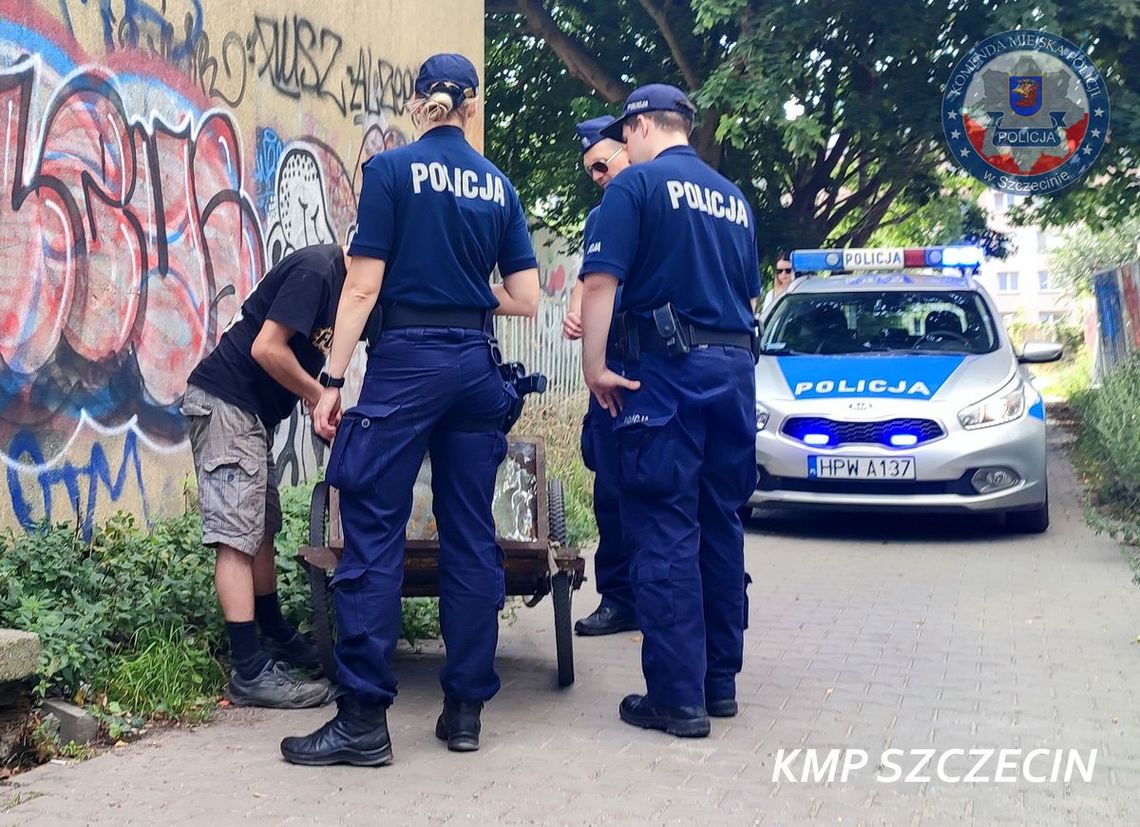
point(282, 51)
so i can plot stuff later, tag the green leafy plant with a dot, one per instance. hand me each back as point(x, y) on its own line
point(117, 723)
point(420, 619)
point(166, 672)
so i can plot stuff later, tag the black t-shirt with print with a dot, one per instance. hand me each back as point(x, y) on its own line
point(297, 293)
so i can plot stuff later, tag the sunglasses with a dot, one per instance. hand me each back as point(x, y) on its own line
point(784, 270)
point(602, 167)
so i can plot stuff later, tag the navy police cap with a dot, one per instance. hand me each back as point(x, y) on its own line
point(653, 97)
point(447, 68)
point(590, 132)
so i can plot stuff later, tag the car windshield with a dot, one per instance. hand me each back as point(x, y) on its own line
point(881, 321)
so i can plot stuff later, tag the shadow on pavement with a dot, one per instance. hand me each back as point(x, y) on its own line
point(883, 526)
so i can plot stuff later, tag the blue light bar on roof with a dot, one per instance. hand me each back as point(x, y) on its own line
point(885, 258)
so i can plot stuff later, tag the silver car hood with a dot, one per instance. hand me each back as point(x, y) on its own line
point(910, 377)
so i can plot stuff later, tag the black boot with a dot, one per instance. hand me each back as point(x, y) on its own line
point(606, 620)
point(358, 735)
point(458, 724)
point(682, 721)
point(722, 708)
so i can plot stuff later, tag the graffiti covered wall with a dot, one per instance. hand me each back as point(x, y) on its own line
point(158, 157)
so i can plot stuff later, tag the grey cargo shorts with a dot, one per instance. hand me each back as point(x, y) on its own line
point(237, 481)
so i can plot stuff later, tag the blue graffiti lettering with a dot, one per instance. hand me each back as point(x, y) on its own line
point(86, 481)
point(267, 154)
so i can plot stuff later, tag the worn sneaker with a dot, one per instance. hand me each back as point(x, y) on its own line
point(297, 652)
point(275, 688)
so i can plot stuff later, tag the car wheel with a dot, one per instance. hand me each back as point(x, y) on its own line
point(1034, 521)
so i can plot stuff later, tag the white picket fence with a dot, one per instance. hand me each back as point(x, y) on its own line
point(538, 343)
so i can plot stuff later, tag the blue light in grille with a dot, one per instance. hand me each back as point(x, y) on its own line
point(903, 440)
point(816, 439)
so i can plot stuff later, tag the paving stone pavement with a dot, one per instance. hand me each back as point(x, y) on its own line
point(869, 632)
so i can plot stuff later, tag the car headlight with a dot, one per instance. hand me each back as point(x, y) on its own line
point(1006, 405)
point(761, 416)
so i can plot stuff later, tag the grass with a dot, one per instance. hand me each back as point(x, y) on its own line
point(1106, 450)
point(558, 420)
point(168, 672)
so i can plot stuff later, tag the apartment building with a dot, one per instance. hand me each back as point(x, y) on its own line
point(1021, 285)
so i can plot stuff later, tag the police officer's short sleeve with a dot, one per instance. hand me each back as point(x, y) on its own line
point(591, 225)
point(376, 217)
point(516, 252)
point(611, 237)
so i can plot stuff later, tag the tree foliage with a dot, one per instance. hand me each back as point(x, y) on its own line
point(954, 216)
point(825, 112)
point(1086, 251)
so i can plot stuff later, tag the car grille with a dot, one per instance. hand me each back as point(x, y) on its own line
point(872, 433)
point(770, 482)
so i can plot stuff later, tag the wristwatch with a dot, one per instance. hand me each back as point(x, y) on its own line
point(328, 382)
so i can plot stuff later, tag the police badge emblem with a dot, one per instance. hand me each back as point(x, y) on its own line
point(1025, 112)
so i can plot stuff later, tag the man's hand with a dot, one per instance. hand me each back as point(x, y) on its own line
point(606, 387)
point(326, 415)
point(572, 326)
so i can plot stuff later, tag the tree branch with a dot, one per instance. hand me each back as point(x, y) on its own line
point(661, 19)
point(861, 233)
point(704, 139)
point(571, 53)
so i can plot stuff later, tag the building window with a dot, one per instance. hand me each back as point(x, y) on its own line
point(1007, 282)
point(1005, 200)
point(1048, 318)
point(1042, 244)
point(1043, 281)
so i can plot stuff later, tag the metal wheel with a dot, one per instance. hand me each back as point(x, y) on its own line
point(319, 581)
point(563, 633)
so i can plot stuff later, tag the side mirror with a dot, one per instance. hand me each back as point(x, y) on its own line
point(1038, 353)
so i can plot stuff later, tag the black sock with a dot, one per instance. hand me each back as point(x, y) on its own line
point(245, 649)
point(268, 613)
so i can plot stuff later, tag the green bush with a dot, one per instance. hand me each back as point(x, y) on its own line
point(1112, 414)
point(1107, 446)
point(116, 614)
point(89, 601)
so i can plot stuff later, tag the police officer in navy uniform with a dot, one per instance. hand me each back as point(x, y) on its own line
point(681, 241)
point(603, 158)
point(435, 219)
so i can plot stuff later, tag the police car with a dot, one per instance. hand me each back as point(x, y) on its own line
point(886, 381)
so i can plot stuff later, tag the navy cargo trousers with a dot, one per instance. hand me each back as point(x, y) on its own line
point(611, 561)
point(687, 464)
